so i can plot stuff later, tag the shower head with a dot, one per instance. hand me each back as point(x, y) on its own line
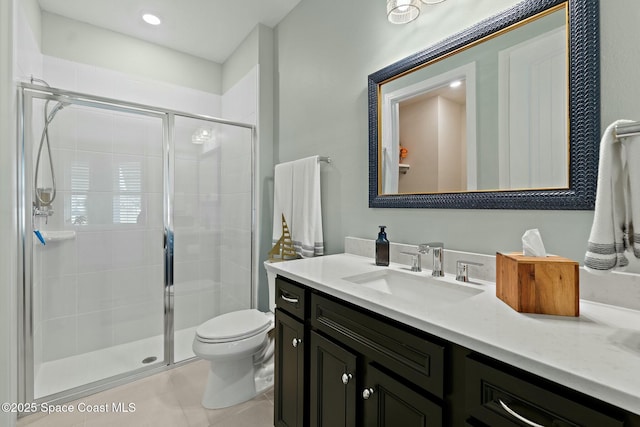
point(59, 106)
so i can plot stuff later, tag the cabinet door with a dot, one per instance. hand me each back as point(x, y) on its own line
point(390, 403)
point(332, 384)
point(289, 371)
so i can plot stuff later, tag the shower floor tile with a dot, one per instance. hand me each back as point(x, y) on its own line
point(170, 398)
point(65, 374)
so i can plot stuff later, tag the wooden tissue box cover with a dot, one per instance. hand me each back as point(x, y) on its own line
point(538, 285)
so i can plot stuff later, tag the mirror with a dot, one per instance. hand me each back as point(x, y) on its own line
point(519, 131)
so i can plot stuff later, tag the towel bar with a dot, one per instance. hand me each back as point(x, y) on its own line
point(630, 129)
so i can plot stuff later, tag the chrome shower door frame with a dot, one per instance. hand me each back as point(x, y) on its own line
point(26, 94)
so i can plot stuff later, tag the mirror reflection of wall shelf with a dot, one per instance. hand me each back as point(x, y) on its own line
point(435, 118)
point(565, 128)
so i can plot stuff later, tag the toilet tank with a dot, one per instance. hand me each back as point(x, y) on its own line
point(271, 280)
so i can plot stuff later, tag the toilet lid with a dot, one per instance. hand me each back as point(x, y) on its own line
point(235, 325)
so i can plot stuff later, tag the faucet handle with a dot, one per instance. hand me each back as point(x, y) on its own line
point(424, 248)
point(415, 260)
point(462, 269)
point(430, 245)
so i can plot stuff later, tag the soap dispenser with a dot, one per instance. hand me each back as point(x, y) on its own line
point(382, 247)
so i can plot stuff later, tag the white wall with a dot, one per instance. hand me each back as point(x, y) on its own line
point(323, 60)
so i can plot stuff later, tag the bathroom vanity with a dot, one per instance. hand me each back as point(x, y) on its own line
point(361, 345)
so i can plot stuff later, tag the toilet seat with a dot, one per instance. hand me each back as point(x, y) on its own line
point(233, 326)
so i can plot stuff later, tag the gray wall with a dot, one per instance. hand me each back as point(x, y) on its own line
point(324, 58)
point(76, 41)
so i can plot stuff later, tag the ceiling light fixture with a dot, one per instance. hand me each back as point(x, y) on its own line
point(454, 84)
point(405, 11)
point(202, 135)
point(402, 11)
point(151, 19)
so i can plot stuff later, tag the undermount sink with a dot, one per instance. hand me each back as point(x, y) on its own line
point(411, 286)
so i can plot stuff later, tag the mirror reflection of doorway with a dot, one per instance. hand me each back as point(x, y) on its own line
point(533, 117)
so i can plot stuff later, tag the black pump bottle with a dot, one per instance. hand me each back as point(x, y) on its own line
point(382, 247)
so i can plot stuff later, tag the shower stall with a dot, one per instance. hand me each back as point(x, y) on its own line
point(136, 226)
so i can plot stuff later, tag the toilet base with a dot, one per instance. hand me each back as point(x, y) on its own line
point(229, 383)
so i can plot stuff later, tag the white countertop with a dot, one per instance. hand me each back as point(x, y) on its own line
point(597, 353)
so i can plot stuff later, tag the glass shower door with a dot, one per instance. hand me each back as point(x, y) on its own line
point(98, 277)
point(212, 224)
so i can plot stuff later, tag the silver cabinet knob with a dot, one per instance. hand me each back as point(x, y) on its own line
point(295, 342)
point(346, 378)
point(367, 392)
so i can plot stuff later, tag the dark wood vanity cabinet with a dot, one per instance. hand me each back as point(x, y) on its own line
point(350, 367)
point(290, 365)
point(332, 385)
point(391, 376)
point(339, 365)
point(393, 402)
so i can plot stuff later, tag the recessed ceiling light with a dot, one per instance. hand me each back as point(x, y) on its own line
point(455, 84)
point(151, 19)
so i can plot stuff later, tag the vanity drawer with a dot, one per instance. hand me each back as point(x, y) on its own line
point(499, 395)
point(290, 297)
point(409, 354)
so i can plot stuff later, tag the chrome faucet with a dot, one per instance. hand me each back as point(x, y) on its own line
point(438, 256)
point(415, 259)
point(462, 269)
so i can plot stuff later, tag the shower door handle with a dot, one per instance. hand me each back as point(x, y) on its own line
point(168, 254)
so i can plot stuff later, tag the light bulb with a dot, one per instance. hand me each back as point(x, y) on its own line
point(151, 19)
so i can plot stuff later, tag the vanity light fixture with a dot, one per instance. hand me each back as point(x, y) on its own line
point(402, 11)
point(151, 19)
point(405, 11)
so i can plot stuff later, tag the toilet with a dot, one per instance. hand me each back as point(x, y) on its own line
point(239, 352)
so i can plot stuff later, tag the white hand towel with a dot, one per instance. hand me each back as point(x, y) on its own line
point(282, 197)
point(607, 243)
point(306, 215)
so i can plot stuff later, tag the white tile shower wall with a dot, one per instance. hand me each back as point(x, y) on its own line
point(105, 303)
point(213, 236)
point(73, 76)
point(105, 285)
point(240, 104)
point(119, 278)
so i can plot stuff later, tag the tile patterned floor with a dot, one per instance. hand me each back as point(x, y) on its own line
point(171, 398)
